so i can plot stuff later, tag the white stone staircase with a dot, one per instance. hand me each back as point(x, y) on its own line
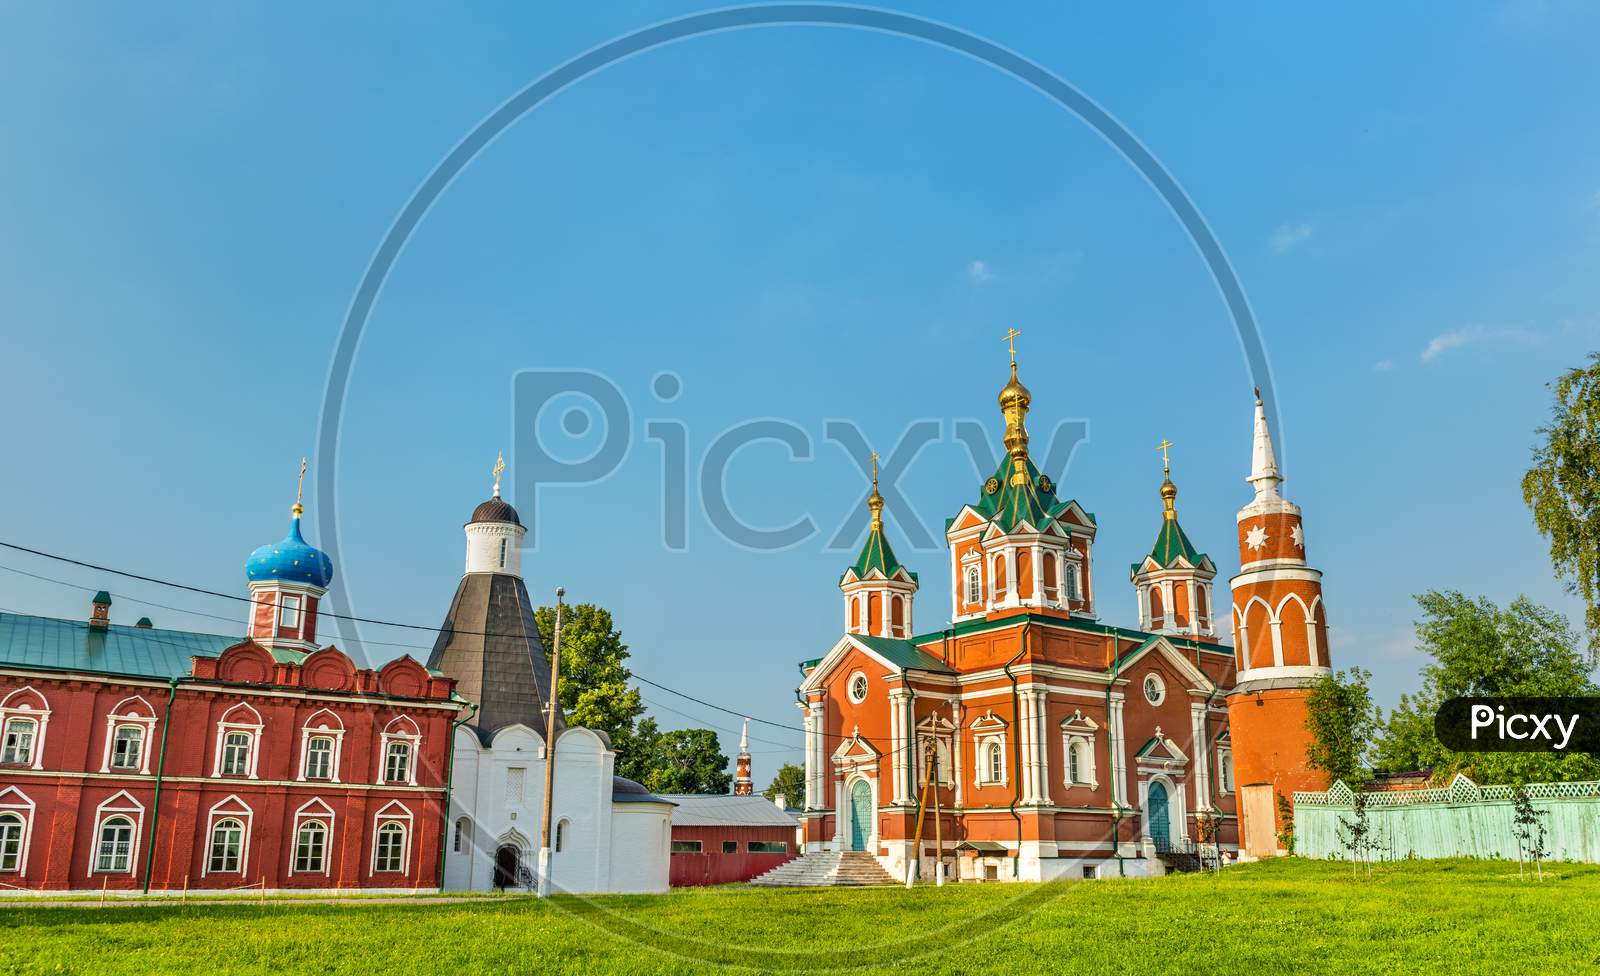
point(822, 869)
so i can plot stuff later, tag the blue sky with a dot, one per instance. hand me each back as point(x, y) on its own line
point(801, 224)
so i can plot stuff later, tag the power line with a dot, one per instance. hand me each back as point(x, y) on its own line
point(367, 620)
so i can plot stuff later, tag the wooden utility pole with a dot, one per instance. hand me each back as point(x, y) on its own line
point(922, 808)
point(550, 752)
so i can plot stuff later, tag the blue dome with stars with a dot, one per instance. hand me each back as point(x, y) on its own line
point(292, 560)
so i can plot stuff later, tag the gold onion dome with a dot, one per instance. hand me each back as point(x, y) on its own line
point(1169, 497)
point(1014, 402)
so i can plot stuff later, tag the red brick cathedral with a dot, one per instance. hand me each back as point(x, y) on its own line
point(1060, 745)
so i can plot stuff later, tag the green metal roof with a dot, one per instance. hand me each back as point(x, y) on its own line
point(876, 554)
point(1066, 623)
point(903, 654)
point(70, 645)
point(1171, 543)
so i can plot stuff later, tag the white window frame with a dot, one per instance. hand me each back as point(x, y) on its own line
point(1078, 731)
point(1161, 688)
point(321, 725)
point(988, 729)
point(850, 687)
point(462, 834)
point(239, 810)
point(252, 729)
point(994, 759)
point(134, 733)
point(393, 733)
point(974, 589)
point(14, 725)
point(394, 812)
point(318, 810)
point(231, 825)
point(137, 712)
point(401, 747)
point(13, 802)
point(300, 829)
point(23, 709)
point(120, 804)
point(291, 610)
point(1225, 770)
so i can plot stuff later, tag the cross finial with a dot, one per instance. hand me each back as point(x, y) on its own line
point(299, 489)
point(874, 457)
point(499, 467)
point(1011, 340)
point(1166, 463)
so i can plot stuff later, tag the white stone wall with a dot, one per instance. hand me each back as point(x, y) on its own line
point(597, 854)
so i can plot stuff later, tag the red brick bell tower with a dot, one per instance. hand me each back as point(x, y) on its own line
point(742, 784)
point(1280, 648)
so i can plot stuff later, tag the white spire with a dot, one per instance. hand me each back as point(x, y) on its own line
point(1264, 473)
point(744, 737)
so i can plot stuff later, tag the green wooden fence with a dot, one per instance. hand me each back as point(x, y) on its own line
point(1460, 820)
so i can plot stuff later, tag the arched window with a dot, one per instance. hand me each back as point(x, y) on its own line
point(1072, 583)
point(20, 733)
point(236, 754)
point(127, 747)
point(116, 845)
point(319, 757)
point(10, 842)
point(310, 846)
point(561, 834)
point(997, 762)
point(397, 762)
point(999, 575)
point(391, 848)
point(463, 834)
point(855, 613)
point(897, 616)
point(227, 840)
point(974, 585)
point(1075, 764)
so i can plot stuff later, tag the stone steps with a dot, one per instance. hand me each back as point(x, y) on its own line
point(823, 869)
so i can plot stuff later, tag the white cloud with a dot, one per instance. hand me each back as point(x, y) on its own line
point(1289, 236)
point(1383, 365)
point(1466, 337)
point(979, 271)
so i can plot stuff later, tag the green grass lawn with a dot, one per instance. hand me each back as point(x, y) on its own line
point(1284, 916)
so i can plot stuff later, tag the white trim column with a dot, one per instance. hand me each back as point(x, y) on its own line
point(1202, 758)
point(1037, 599)
point(1118, 745)
point(1011, 576)
point(898, 748)
point(1041, 765)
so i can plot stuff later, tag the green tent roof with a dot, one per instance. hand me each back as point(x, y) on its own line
point(1171, 543)
point(876, 554)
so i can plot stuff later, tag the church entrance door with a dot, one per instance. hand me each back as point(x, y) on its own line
point(860, 815)
point(1160, 822)
point(507, 864)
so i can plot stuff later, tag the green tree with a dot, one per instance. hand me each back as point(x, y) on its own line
point(1563, 488)
point(1483, 650)
point(683, 761)
point(594, 688)
point(1342, 721)
point(791, 782)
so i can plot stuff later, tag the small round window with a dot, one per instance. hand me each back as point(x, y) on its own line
point(1155, 690)
point(858, 687)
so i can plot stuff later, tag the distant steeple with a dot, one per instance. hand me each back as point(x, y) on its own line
point(742, 784)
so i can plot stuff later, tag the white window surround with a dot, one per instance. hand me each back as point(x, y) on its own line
point(312, 809)
point(857, 687)
point(393, 813)
point(239, 718)
point(134, 712)
point(289, 606)
point(18, 705)
point(229, 807)
point(462, 836)
point(1078, 731)
point(305, 830)
point(401, 729)
point(1225, 769)
point(120, 804)
point(989, 730)
point(974, 585)
point(1154, 688)
point(323, 724)
point(14, 802)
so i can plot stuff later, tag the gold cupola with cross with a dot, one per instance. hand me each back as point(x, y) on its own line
point(878, 590)
point(1020, 547)
point(1174, 582)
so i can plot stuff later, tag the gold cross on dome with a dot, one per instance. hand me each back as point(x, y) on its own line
point(874, 469)
point(499, 468)
point(299, 488)
point(1011, 339)
point(1166, 464)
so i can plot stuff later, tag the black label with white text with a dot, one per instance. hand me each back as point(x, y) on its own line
point(1519, 724)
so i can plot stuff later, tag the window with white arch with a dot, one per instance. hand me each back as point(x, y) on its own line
point(974, 585)
point(114, 853)
point(1078, 735)
point(20, 734)
point(994, 761)
point(238, 736)
point(227, 846)
point(857, 688)
point(389, 851)
point(12, 829)
point(1225, 769)
point(24, 717)
point(402, 741)
point(311, 847)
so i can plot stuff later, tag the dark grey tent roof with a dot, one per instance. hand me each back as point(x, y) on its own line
point(489, 644)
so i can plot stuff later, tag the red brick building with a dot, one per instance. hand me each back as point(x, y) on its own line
point(133, 758)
